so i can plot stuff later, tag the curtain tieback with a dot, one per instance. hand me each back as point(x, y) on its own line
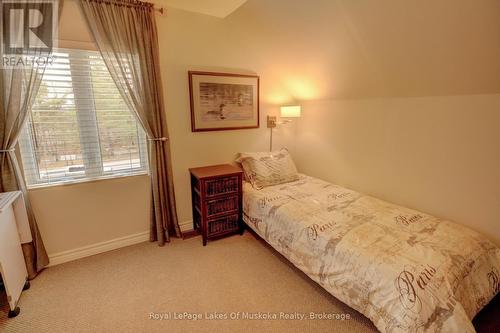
point(158, 139)
point(7, 150)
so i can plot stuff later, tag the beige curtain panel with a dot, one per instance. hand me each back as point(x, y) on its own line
point(125, 33)
point(18, 89)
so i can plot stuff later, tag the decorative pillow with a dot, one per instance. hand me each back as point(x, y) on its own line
point(266, 169)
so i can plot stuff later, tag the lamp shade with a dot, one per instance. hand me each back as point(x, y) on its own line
point(290, 111)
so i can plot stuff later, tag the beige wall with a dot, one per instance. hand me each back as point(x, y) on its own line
point(74, 216)
point(323, 50)
point(198, 42)
point(439, 155)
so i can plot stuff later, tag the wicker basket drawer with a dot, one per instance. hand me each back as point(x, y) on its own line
point(218, 186)
point(224, 224)
point(222, 205)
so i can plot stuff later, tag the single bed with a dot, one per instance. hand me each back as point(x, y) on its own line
point(405, 270)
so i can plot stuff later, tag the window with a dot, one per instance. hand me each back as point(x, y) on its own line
point(80, 128)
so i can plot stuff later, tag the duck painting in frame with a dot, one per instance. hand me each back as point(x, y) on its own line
point(223, 101)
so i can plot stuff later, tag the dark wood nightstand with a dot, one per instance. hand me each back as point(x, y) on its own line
point(216, 193)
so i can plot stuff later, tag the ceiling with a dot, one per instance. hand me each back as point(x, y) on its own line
point(345, 49)
point(217, 8)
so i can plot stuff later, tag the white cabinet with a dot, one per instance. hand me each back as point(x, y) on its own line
point(14, 231)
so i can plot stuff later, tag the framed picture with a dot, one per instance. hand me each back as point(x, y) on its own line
point(222, 101)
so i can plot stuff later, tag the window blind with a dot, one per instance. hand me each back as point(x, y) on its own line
point(80, 127)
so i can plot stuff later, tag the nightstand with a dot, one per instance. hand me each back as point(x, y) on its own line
point(216, 193)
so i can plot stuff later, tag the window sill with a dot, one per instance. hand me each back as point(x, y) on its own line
point(86, 180)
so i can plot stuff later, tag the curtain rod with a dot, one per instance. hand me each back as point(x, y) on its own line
point(131, 3)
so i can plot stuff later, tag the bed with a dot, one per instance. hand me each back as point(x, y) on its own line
point(405, 270)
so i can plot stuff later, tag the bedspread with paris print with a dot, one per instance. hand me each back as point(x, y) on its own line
point(405, 270)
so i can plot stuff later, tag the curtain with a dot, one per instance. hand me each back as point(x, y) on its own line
point(125, 34)
point(18, 88)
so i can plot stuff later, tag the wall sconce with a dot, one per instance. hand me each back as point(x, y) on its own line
point(292, 111)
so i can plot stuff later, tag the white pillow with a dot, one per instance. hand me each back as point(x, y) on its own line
point(268, 168)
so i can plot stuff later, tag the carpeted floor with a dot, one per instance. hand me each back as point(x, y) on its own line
point(118, 291)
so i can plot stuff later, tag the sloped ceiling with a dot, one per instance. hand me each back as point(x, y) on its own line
point(321, 49)
point(218, 8)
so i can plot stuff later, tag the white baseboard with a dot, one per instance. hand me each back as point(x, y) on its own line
point(113, 244)
point(90, 250)
point(186, 225)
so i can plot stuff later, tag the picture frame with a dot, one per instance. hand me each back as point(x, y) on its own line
point(223, 101)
